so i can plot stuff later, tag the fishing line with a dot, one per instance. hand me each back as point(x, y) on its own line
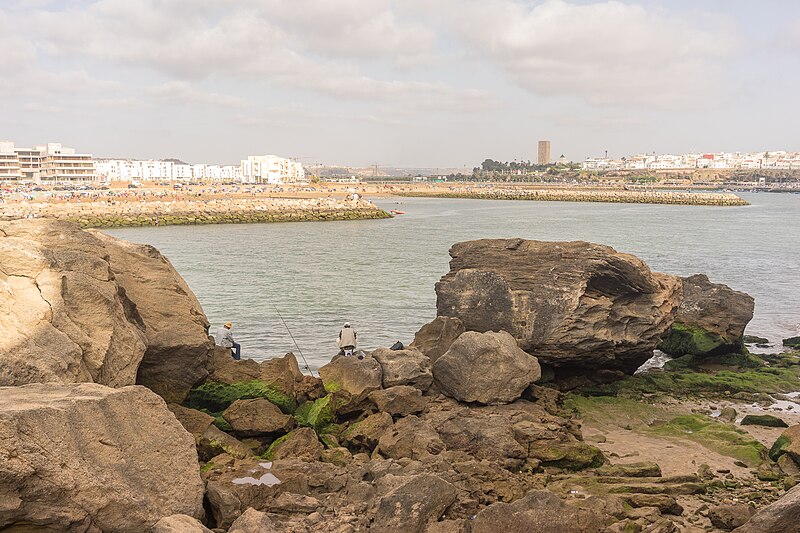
point(294, 341)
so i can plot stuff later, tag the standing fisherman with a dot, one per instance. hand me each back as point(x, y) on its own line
point(348, 338)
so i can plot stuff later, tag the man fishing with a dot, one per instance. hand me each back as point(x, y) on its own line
point(348, 338)
point(224, 338)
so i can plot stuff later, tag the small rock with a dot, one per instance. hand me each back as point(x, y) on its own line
point(729, 517)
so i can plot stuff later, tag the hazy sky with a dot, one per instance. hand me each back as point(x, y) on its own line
point(401, 83)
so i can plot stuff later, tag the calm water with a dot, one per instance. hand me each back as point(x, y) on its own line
point(380, 275)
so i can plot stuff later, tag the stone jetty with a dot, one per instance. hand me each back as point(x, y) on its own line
point(591, 195)
point(115, 214)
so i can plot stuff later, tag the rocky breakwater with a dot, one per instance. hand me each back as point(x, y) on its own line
point(83, 318)
point(593, 195)
point(581, 307)
point(102, 214)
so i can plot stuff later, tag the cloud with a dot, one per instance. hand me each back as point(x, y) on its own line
point(608, 53)
point(179, 92)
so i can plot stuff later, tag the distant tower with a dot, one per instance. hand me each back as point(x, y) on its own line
point(544, 152)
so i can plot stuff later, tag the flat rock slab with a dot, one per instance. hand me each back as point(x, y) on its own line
point(85, 457)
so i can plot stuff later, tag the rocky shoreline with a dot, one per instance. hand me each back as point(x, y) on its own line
point(515, 410)
point(596, 195)
point(116, 214)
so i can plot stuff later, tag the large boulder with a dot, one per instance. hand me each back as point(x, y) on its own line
point(411, 505)
point(538, 511)
point(434, 338)
point(568, 303)
point(85, 457)
point(301, 443)
point(81, 306)
point(179, 350)
point(63, 316)
point(404, 367)
point(257, 417)
point(402, 400)
point(358, 377)
point(485, 367)
point(410, 438)
point(710, 320)
point(780, 517)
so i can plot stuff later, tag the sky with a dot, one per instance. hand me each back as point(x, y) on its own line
point(409, 83)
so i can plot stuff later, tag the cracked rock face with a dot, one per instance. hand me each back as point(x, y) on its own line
point(78, 306)
point(63, 317)
point(573, 304)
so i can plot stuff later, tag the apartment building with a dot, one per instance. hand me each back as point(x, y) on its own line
point(271, 169)
point(49, 163)
point(9, 163)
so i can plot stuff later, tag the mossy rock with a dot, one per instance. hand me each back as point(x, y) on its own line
point(317, 414)
point(792, 342)
point(569, 457)
point(216, 397)
point(754, 339)
point(764, 420)
point(691, 340)
point(272, 447)
point(724, 439)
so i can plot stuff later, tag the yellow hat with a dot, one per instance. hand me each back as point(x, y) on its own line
point(228, 325)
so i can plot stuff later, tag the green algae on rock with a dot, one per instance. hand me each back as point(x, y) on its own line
point(763, 420)
point(216, 397)
point(683, 339)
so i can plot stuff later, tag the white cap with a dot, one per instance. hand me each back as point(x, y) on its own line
point(347, 324)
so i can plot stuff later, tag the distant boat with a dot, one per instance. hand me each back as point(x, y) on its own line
point(397, 212)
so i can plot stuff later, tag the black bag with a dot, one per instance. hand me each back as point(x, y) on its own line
point(397, 346)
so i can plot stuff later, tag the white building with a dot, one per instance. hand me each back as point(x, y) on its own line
point(9, 163)
point(49, 163)
point(271, 169)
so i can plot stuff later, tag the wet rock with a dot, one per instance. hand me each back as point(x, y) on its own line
point(364, 435)
point(179, 523)
point(710, 320)
point(73, 458)
point(754, 339)
point(411, 438)
point(568, 303)
point(411, 505)
point(487, 368)
point(434, 339)
point(300, 443)
point(764, 420)
point(179, 351)
point(537, 511)
point(401, 400)
point(404, 367)
point(356, 376)
point(257, 417)
point(729, 517)
point(792, 342)
point(252, 521)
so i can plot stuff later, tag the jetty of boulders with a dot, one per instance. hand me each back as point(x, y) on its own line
point(615, 196)
point(115, 213)
point(118, 413)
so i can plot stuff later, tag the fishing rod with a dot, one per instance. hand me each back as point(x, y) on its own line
point(294, 341)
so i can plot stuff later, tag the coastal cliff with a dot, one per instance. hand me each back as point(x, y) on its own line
point(138, 423)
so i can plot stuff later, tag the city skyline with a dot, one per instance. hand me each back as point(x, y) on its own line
point(401, 84)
